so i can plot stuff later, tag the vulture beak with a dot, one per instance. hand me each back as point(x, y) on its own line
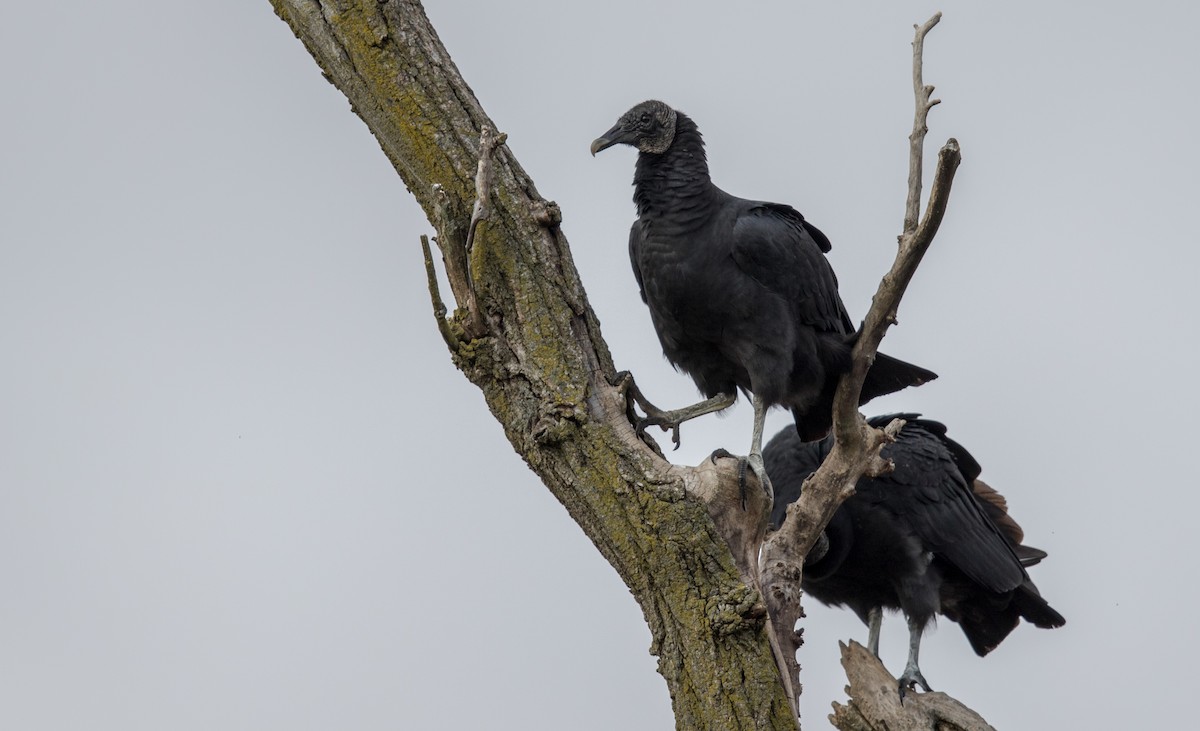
point(614, 136)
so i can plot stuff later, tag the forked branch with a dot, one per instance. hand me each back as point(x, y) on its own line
point(857, 448)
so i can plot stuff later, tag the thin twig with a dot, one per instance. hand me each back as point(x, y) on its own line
point(439, 307)
point(916, 140)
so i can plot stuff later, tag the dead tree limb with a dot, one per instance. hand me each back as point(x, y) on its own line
point(875, 704)
point(857, 448)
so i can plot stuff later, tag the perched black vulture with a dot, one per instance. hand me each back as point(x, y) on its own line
point(739, 291)
point(929, 538)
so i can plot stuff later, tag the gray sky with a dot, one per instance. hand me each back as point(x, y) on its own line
point(242, 486)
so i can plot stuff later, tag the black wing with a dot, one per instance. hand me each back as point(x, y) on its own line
point(635, 240)
point(938, 503)
point(993, 503)
point(775, 246)
point(963, 460)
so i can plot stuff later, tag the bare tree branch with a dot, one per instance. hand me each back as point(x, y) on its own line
point(857, 447)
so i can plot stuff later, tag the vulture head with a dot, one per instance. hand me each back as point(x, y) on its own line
point(649, 126)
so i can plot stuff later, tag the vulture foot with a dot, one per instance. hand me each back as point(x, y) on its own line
point(911, 679)
point(670, 420)
point(743, 463)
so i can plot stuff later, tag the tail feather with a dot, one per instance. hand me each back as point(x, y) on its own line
point(987, 619)
point(1034, 609)
point(888, 375)
point(1028, 555)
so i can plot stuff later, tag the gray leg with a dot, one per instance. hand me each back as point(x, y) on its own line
point(755, 457)
point(754, 460)
point(672, 419)
point(874, 623)
point(912, 673)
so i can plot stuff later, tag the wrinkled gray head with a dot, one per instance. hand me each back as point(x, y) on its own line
point(650, 127)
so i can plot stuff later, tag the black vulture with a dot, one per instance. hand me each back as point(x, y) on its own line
point(928, 538)
point(740, 292)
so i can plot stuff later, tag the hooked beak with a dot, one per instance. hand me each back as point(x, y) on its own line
point(614, 136)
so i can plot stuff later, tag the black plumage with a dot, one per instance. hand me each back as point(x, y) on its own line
point(740, 292)
point(929, 538)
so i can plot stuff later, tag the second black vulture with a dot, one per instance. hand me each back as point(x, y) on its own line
point(929, 538)
point(740, 292)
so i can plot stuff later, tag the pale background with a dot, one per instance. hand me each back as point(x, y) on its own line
point(242, 486)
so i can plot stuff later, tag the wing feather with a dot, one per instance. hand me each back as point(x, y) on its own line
point(938, 503)
point(775, 246)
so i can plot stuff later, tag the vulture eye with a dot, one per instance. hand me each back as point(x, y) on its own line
point(644, 119)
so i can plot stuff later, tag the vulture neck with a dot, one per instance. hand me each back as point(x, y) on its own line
point(674, 187)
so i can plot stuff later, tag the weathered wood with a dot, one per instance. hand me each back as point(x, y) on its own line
point(875, 703)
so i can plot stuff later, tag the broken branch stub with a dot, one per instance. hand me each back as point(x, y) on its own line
point(457, 248)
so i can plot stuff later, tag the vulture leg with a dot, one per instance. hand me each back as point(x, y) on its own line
point(754, 460)
point(874, 623)
point(755, 457)
point(912, 677)
point(672, 419)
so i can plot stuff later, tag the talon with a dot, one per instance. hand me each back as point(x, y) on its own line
point(744, 464)
point(720, 453)
point(760, 471)
point(910, 680)
point(668, 420)
point(657, 419)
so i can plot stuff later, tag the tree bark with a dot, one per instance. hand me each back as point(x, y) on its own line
point(524, 333)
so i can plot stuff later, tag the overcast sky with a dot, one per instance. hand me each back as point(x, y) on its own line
point(243, 487)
